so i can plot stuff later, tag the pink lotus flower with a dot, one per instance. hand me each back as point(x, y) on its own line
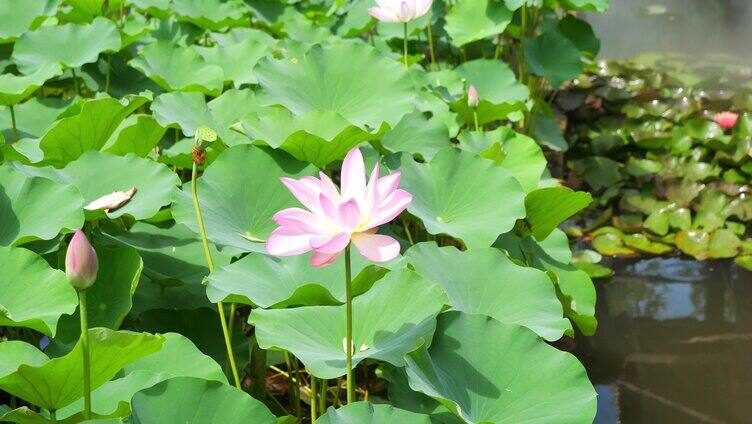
point(726, 119)
point(335, 219)
point(81, 263)
point(399, 10)
point(473, 99)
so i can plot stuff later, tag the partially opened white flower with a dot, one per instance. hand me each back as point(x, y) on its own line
point(399, 10)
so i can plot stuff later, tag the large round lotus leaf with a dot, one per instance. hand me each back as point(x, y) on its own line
point(580, 33)
point(137, 134)
point(209, 14)
point(70, 44)
point(518, 153)
point(96, 174)
point(189, 400)
point(34, 208)
point(33, 116)
point(462, 195)
point(172, 254)
point(592, 5)
point(383, 328)
point(15, 353)
point(89, 129)
point(549, 207)
point(177, 68)
point(553, 56)
point(15, 89)
point(500, 92)
point(415, 134)
point(318, 137)
point(32, 294)
point(323, 81)
point(239, 193)
point(474, 20)
point(404, 397)
point(484, 281)
point(86, 10)
point(369, 413)
point(109, 299)
point(59, 381)
point(284, 281)
point(179, 357)
point(236, 60)
point(19, 17)
point(491, 372)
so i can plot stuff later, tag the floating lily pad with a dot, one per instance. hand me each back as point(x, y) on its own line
point(485, 281)
point(462, 195)
point(366, 412)
point(285, 281)
point(548, 207)
point(744, 261)
point(59, 381)
point(611, 244)
point(238, 206)
point(194, 400)
point(25, 208)
point(315, 334)
point(643, 244)
point(15, 89)
point(703, 245)
point(469, 21)
point(488, 371)
point(70, 45)
point(32, 294)
point(176, 68)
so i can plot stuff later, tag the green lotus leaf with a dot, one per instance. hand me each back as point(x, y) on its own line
point(197, 401)
point(592, 5)
point(109, 299)
point(369, 413)
point(488, 371)
point(18, 18)
point(597, 171)
point(574, 287)
point(516, 152)
point(285, 281)
point(581, 34)
point(59, 381)
point(86, 10)
point(177, 68)
point(190, 111)
point(721, 243)
point(548, 207)
point(462, 195)
point(238, 206)
point(484, 281)
point(92, 174)
point(404, 397)
point(89, 129)
point(33, 116)
point(383, 328)
point(500, 92)
point(213, 15)
point(323, 81)
point(179, 357)
point(32, 294)
point(16, 353)
point(35, 208)
point(473, 20)
point(548, 133)
point(744, 261)
point(612, 244)
point(318, 137)
point(15, 89)
point(236, 60)
point(417, 135)
point(70, 45)
point(137, 134)
point(658, 222)
point(642, 243)
point(553, 56)
point(172, 254)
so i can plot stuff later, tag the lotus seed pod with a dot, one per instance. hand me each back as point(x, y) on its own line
point(81, 263)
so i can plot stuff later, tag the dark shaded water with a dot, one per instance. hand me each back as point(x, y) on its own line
point(674, 343)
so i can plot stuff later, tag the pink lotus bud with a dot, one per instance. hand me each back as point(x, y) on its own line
point(81, 263)
point(726, 119)
point(473, 99)
point(405, 12)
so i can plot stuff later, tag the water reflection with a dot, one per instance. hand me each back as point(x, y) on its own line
point(674, 343)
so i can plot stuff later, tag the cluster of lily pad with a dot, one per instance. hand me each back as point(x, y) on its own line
point(666, 147)
point(166, 128)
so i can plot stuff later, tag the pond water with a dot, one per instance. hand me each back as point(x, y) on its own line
point(674, 343)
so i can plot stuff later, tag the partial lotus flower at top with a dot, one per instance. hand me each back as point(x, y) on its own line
point(335, 218)
point(726, 119)
point(393, 11)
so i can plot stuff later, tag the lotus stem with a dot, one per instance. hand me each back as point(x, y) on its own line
point(430, 45)
point(210, 264)
point(475, 118)
point(107, 74)
point(75, 82)
point(405, 45)
point(314, 401)
point(348, 320)
point(292, 385)
point(53, 416)
point(86, 353)
point(322, 397)
point(13, 123)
